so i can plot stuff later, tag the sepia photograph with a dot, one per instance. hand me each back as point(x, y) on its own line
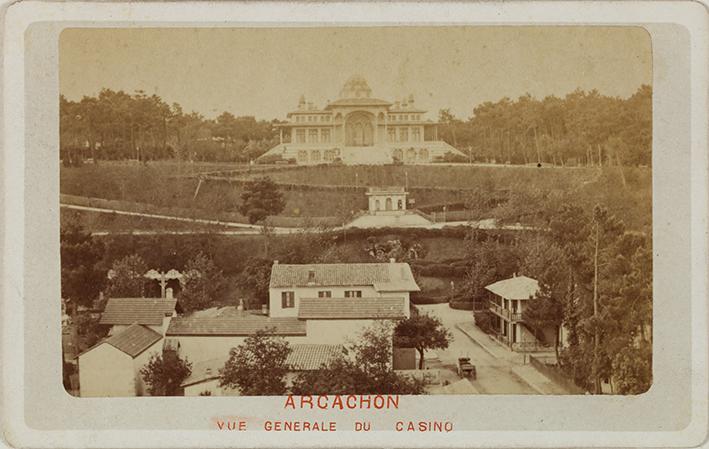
point(359, 212)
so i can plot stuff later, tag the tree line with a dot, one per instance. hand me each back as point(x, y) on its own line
point(582, 128)
point(117, 125)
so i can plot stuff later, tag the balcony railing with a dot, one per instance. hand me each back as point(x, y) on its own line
point(505, 313)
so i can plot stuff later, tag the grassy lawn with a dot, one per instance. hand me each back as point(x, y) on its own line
point(433, 176)
point(338, 191)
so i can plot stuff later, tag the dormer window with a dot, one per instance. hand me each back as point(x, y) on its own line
point(311, 276)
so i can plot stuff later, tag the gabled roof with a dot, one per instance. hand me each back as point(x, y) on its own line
point(133, 340)
point(227, 326)
point(312, 356)
point(392, 277)
point(519, 287)
point(351, 308)
point(148, 311)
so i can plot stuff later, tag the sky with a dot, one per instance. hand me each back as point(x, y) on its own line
point(263, 71)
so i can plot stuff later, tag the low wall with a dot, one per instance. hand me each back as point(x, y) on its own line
point(555, 375)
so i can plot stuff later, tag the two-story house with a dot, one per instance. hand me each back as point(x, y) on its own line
point(509, 298)
point(337, 301)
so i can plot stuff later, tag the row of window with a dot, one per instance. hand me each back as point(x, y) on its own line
point(411, 154)
point(328, 155)
point(288, 298)
point(314, 135)
point(403, 117)
point(312, 118)
point(324, 118)
point(403, 135)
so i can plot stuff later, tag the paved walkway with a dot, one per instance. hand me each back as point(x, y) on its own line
point(500, 370)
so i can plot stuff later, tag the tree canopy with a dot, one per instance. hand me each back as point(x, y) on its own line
point(582, 128)
point(422, 332)
point(257, 367)
point(164, 373)
point(260, 199)
point(203, 283)
point(82, 277)
point(127, 277)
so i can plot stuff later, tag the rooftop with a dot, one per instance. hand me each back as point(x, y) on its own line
point(357, 102)
point(148, 311)
point(302, 357)
point(390, 276)
point(133, 340)
point(518, 287)
point(229, 326)
point(352, 308)
point(312, 356)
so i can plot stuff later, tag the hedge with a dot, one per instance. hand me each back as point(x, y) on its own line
point(426, 299)
point(462, 305)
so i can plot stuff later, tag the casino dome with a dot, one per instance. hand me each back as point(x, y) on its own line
point(356, 87)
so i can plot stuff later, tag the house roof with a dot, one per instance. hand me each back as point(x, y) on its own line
point(228, 326)
point(312, 356)
point(203, 371)
point(133, 340)
point(518, 287)
point(382, 276)
point(351, 308)
point(148, 311)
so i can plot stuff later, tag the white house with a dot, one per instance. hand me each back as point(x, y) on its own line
point(509, 298)
point(111, 368)
point(154, 313)
point(290, 284)
point(339, 321)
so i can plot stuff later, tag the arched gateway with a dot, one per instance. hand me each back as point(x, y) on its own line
point(359, 130)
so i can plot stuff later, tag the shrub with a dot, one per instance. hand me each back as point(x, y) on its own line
point(461, 305)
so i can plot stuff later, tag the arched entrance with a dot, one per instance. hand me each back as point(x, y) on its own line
point(387, 204)
point(359, 131)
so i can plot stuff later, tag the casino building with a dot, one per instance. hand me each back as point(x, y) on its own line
point(359, 129)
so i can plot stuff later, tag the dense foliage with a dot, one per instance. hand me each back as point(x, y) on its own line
point(164, 373)
point(118, 125)
point(203, 282)
point(422, 332)
point(127, 277)
point(82, 277)
point(364, 368)
point(260, 199)
point(258, 366)
point(583, 128)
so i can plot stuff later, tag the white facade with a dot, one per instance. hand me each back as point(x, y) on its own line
point(359, 129)
point(276, 298)
point(336, 332)
point(106, 371)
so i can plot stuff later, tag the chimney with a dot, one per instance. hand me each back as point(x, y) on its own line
point(514, 275)
point(275, 262)
point(392, 260)
point(241, 304)
point(168, 293)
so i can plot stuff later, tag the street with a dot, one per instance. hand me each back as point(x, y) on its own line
point(494, 374)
